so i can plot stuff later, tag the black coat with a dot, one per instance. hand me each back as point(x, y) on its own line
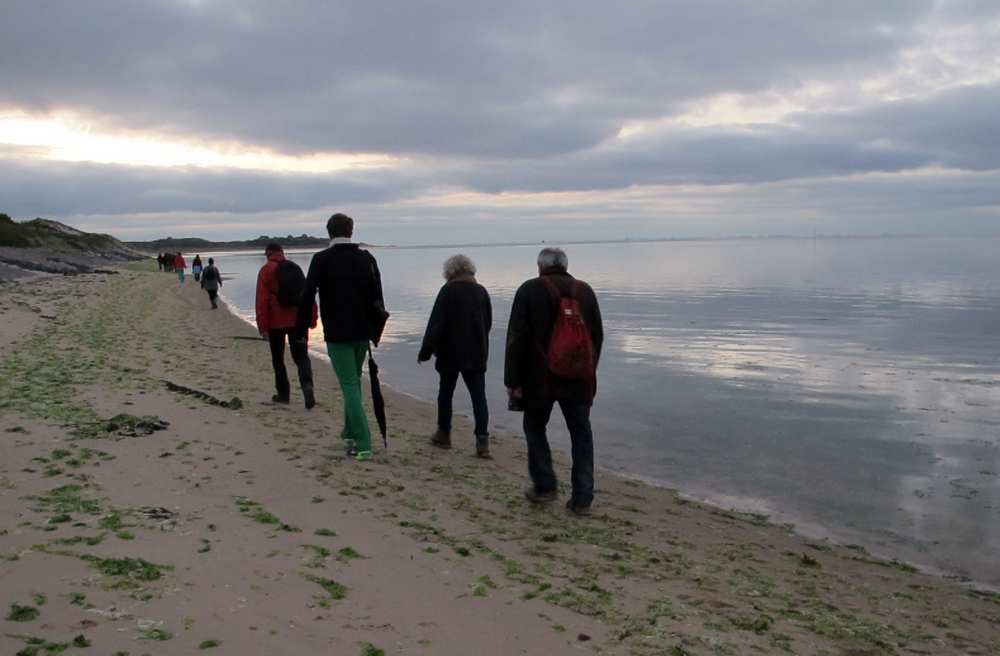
point(350, 292)
point(458, 332)
point(528, 332)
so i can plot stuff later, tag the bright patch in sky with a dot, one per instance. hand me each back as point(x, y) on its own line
point(65, 136)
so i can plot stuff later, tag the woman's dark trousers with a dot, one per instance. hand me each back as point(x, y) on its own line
point(476, 382)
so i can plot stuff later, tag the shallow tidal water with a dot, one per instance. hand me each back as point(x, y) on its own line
point(847, 386)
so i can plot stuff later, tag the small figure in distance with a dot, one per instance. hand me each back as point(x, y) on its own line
point(352, 309)
point(530, 372)
point(179, 266)
point(276, 319)
point(211, 281)
point(458, 334)
point(196, 268)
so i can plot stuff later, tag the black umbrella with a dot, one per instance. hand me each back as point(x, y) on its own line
point(378, 403)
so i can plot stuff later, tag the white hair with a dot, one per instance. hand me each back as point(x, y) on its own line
point(456, 265)
point(553, 258)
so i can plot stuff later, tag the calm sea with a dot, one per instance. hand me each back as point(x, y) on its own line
point(847, 386)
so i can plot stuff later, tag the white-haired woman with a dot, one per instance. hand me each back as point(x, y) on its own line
point(458, 336)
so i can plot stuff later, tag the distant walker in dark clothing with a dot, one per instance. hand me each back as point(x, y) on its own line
point(353, 312)
point(276, 322)
point(458, 335)
point(530, 383)
point(211, 280)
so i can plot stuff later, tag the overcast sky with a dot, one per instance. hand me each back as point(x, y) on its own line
point(462, 121)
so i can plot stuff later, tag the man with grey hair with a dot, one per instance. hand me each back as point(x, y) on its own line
point(531, 384)
point(458, 335)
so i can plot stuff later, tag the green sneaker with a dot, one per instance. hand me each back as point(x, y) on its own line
point(364, 455)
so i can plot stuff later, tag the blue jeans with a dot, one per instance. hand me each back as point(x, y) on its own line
point(577, 415)
point(476, 382)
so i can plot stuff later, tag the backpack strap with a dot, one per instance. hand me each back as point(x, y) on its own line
point(557, 293)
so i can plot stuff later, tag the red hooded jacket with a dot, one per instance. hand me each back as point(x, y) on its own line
point(270, 314)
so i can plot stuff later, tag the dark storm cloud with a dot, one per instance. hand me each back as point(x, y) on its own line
point(510, 97)
point(521, 79)
point(957, 128)
point(65, 188)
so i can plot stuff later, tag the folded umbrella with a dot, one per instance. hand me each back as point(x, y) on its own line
point(378, 403)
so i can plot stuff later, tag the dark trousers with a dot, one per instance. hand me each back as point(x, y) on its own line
point(577, 415)
point(476, 382)
point(300, 356)
point(212, 296)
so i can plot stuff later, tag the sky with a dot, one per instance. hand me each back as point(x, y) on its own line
point(462, 121)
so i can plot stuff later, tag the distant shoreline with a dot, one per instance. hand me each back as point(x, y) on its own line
point(255, 245)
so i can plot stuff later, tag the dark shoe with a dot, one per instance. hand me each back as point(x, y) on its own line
point(307, 391)
point(352, 451)
point(441, 439)
point(534, 496)
point(582, 511)
point(277, 398)
point(483, 447)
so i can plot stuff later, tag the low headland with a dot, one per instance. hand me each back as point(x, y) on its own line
point(154, 501)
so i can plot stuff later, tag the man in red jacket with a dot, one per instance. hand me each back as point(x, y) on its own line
point(277, 323)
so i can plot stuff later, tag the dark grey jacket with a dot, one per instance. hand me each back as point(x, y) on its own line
point(528, 332)
point(458, 331)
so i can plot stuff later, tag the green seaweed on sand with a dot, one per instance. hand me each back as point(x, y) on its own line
point(42, 647)
point(20, 613)
point(65, 499)
point(348, 554)
point(253, 511)
point(320, 554)
point(121, 424)
point(368, 649)
point(80, 539)
point(334, 591)
point(151, 634)
point(134, 568)
point(208, 644)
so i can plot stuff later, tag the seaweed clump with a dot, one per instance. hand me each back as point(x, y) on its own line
point(123, 424)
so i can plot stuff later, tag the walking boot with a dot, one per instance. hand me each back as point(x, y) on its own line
point(483, 447)
point(441, 439)
point(307, 391)
point(534, 496)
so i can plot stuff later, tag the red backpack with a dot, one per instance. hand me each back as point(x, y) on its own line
point(571, 352)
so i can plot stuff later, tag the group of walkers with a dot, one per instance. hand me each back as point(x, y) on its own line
point(554, 339)
point(172, 263)
point(209, 277)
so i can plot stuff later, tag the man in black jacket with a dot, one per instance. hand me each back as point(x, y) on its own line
point(352, 310)
point(531, 384)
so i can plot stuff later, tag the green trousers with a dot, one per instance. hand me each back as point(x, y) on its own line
point(347, 359)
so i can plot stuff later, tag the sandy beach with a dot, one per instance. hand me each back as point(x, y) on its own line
point(154, 501)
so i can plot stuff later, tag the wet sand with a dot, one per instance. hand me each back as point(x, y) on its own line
point(226, 523)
